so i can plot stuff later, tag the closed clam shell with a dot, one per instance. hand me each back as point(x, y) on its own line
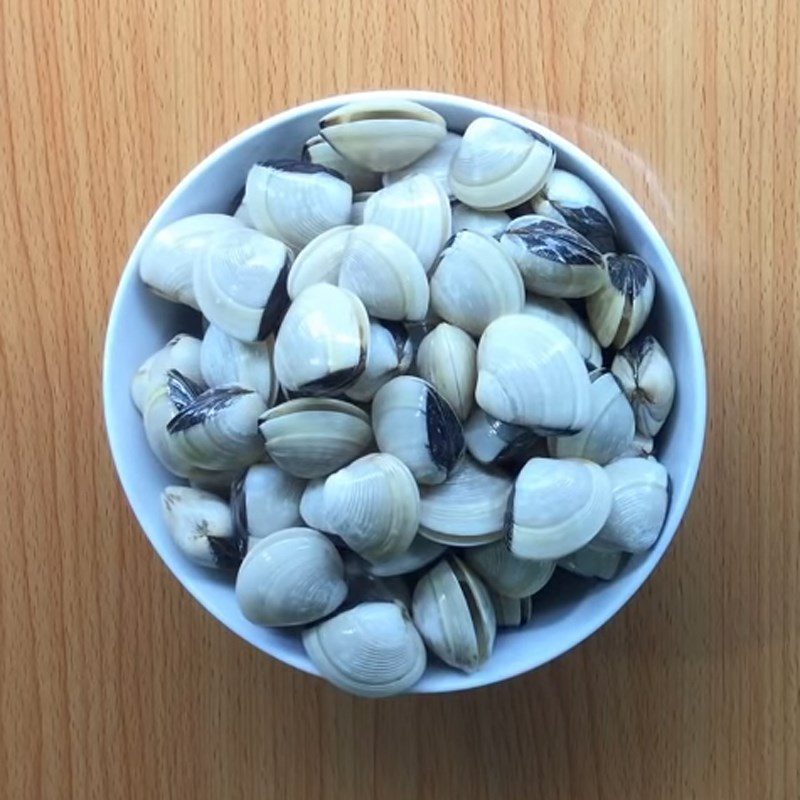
point(318, 261)
point(167, 261)
point(373, 504)
point(556, 507)
point(420, 553)
point(372, 650)
point(621, 306)
point(312, 437)
point(323, 342)
point(385, 273)
point(505, 573)
point(489, 223)
point(474, 282)
point(265, 499)
point(454, 613)
point(569, 199)
point(499, 165)
point(447, 359)
point(492, 442)
point(364, 586)
point(468, 509)
point(531, 374)
point(240, 282)
point(312, 509)
point(291, 577)
point(390, 354)
point(412, 421)
point(218, 430)
point(294, 201)
point(648, 380)
point(200, 524)
point(224, 360)
point(317, 151)
point(609, 431)
point(554, 260)
point(417, 209)
point(639, 488)
point(560, 313)
point(383, 135)
point(435, 164)
point(181, 353)
point(592, 561)
point(511, 612)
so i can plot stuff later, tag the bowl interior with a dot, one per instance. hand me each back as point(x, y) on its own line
point(569, 609)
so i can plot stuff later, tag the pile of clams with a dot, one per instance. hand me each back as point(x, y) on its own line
point(424, 387)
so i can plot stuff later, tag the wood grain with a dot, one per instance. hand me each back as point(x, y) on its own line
point(113, 683)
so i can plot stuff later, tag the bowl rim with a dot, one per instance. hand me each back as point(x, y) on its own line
point(699, 409)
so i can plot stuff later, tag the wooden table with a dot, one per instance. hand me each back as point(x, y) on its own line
point(115, 683)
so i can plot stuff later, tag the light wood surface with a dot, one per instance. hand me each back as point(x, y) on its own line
point(114, 683)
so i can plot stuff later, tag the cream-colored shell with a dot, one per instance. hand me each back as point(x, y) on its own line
point(318, 261)
point(489, 223)
point(505, 573)
point(435, 164)
point(318, 151)
point(265, 499)
point(181, 353)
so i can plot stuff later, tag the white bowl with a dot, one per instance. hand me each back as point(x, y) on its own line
point(140, 323)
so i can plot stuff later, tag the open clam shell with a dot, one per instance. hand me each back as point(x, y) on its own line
point(435, 164)
point(317, 151)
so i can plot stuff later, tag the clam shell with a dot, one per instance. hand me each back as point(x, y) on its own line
point(313, 437)
point(318, 261)
point(557, 507)
point(291, 577)
point(592, 562)
point(318, 151)
point(181, 353)
point(468, 509)
point(474, 282)
point(531, 374)
point(383, 135)
point(363, 586)
point(412, 421)
point(312, 509)
point(499, 165)
point(447, 359)
point(265, 499)
point(372, 650)
point(323, 342)
point(507, 574)
point(357, 209)
point(435, 164)
point(390, 354)
point(420, 553)
point(489, 223)
point(495, 443)
point(511, 612)
point(295, 201)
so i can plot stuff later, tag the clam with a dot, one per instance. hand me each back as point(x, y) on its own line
point(468, 509)
point(417, 209)
point(200, 524)
point(384, 273)
point(167, 261)
point(382, 135)
point(648, 380)
point(225, 360)
point(454, 613)
point(557, 506)
point(412, 421)
point(619, 309)
point(417, 331)
point(447, 359)
point(265, 499)
point(568, 199)
point(373, 504)
point(240, 283)
point(505, 573)
point(640, 447)
point(357, 209)
point(639, 488)
point(592, 561)
point(390, 354)
point(435, 164)
point(489, 223)
point(294, 201)
point(181, 353)
point(499, 165)
point(317, 151)
point(311, 437)
point(559, 313)
point(531, 374)
point(323, 342)
point(610, 429)
point(554, 260)
point(312, 509)
point(216, 481)
point(242, 214)
point(372, 650)
point(511, 612)
point(474, 282)
point(420, 553)
point(291, 577)
point(318, 261)
point(218, 429)
point(363, 586)
point(495, 443)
